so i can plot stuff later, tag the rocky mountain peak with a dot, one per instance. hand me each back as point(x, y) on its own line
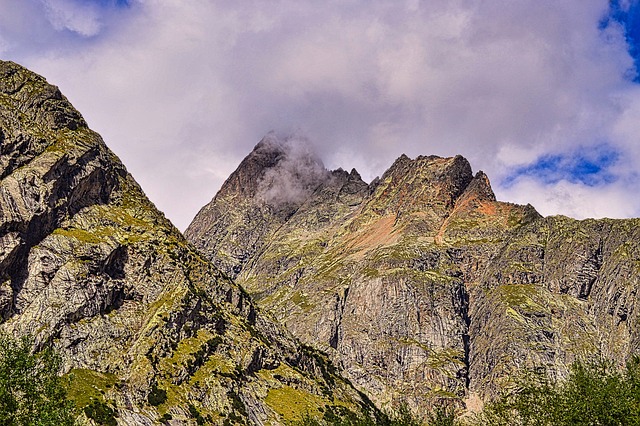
point(279, 171)
point(480, 187)
point(245, 179)
point(90, 266)
point(342, 177)
point(49, 106)
point(453, 172)
point(354, 174)
point(426, 183)
point(34, 109)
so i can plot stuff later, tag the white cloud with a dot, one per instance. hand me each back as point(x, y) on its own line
point(79, 17)
point(183, 90)
point(574, 200)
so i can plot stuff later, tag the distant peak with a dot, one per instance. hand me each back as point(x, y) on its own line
point(456, 167)
point(289, 146)
point(345, 176)
point(270, 143)
point(427, 182)
point(403, 159)
point(480, 186)
point(244, 180)
point(279, 170)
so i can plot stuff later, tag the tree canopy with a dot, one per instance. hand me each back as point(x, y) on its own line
point(595, 393)
point(31, 392)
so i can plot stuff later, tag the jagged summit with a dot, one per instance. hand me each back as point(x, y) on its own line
point(278, 170)
point(423, 286)
point(245, 179)
point(278, 178)
point(356, 268)
point(426, 183)
point(481, 187)
point(282, 170)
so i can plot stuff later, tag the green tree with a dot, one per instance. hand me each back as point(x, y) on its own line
point(594, 394)
point(340, 416)
point(440, 416)
point(31, 392)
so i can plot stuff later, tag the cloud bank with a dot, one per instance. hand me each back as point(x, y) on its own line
point(182, 91)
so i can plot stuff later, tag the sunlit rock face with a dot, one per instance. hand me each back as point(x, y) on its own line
point(89, 265)
point(420, 285)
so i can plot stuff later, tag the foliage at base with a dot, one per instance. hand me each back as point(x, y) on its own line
point(31, 392)
point(595, 393)
point(101, 413)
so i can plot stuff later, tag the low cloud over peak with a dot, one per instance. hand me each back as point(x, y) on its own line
point(295, 176)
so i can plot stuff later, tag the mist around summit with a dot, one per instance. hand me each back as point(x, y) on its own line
point(296, 175)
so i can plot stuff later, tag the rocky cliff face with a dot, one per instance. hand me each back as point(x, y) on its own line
point(558, 290)
point(421, 285)
point(89, 265)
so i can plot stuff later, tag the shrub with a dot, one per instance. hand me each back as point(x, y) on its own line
point(157, 396)
point(200, 419)
point(594, 393)
point(30, 387)
point(101, 413)
point(440, 416)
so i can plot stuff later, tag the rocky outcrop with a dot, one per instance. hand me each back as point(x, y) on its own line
point(423, 287)
point(373, 274)
point(144, 324)
point(559, 290)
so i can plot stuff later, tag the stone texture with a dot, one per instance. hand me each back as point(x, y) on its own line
point(421, 286)
point(89, 265)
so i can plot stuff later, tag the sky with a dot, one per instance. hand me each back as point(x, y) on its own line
point(542, 95)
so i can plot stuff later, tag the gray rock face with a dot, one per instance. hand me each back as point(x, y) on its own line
point(560, 289)
point(89, 265)
point(422, 286)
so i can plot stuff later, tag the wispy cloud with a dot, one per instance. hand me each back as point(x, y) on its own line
point(80, 18)
point(183, 90)
point(627, 14)
point(574, 199)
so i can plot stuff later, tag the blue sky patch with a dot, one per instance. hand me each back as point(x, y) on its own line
point(116, 3)
point(589, 166)
point(627, 13)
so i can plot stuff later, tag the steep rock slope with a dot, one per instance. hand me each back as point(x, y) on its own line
point(421, 285)
point(375, 274)
point(143, 322)
point(559, 290)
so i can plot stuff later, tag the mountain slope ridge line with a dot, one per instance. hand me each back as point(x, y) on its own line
point(90, 266)
point(460, 298)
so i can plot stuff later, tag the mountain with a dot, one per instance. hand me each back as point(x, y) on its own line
point(145, 325)
point(421, 286)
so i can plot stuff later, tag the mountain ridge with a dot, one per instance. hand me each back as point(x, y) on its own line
point(144, 324)
point(423, 287)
